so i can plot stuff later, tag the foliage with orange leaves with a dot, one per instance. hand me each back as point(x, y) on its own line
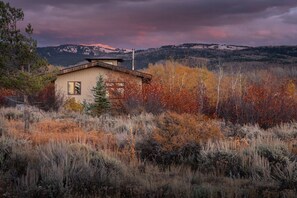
point(179, 88)
point(157, 98)
point(267, 104)
point(4, 93)
point(262, 98)
point(173, 131)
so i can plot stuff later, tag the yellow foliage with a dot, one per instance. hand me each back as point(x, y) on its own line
point(290, 88)
point(175, 77)
point(72, 105)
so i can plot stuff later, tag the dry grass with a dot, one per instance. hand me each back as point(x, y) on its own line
point(229, 162)
point(50, 130)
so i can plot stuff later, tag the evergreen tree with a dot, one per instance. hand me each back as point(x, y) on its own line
point(20, 65)
point(21, 68)
point(101, 102)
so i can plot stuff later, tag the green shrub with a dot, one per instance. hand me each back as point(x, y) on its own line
point(101, 102)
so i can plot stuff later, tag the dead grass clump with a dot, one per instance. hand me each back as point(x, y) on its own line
point(61, 169)
point(15, 129)
point(50, 130)
point(3, 128)
point(97, 139)
point(285, 131)
point(56, 126)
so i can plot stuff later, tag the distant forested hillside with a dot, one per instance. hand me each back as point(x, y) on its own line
point(209, 55)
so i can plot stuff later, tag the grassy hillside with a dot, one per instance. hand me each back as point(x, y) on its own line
point(197, 133)
point(74, 155)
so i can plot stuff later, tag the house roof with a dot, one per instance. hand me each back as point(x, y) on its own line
point(104, 58)
point(145, 77)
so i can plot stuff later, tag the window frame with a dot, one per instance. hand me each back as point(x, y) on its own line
point(74, 94)
point(115, 86)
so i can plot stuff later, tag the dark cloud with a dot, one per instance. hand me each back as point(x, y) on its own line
point(142, 23)
point(290, 17)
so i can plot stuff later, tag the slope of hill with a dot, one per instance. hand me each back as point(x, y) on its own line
point(192, 54)
point(69, 54)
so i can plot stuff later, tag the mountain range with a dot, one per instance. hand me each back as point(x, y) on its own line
point(192, 54)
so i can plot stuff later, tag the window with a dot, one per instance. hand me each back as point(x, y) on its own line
point(74, 88)
point(115, 90)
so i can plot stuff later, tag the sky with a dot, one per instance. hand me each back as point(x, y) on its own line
point(144, 24)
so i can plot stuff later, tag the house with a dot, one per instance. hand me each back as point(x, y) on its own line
point(78, 81)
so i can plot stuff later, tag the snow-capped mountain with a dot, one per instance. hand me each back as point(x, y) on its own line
point(213, 46)
point(93, 49)
point(192, 54)
point(70, 54)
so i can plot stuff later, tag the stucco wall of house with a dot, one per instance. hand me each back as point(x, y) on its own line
point(88, 78)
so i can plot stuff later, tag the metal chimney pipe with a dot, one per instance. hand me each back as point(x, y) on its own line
point(133, 58)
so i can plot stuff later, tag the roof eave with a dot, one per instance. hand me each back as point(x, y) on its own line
point(144, 76)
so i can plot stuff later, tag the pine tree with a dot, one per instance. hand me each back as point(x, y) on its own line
point(101, 103)
point(21, 69)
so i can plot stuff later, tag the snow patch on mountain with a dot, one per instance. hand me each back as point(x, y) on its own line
point(99, 45)
point(70, 49)
point(93, 49)
point(213, 46)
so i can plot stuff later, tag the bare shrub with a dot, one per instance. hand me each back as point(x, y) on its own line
point(3, 128)
point(287, 176)
point(277, 155)
point(286, 131)
point(48, 99)
point(62, 169)
point(18, 113)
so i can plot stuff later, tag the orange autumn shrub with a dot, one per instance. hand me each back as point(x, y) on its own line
point(173, 131)
point(159, 98)
point(152, 98)
point(266, 103)
point(178, 88)
point(270, 105)
point(132, 101)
